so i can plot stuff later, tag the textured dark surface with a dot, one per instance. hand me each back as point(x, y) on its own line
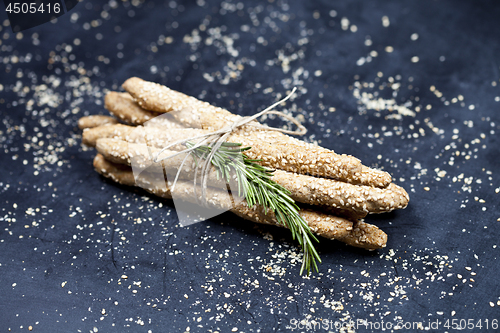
point(68, 237)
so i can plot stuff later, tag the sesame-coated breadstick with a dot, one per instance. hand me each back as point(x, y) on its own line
point(123, 106)
point(287, 152)
point(159, 137)
point(95, 121)
point(360, 234)
point(304, 158)
point(154, 136)
point(345, 213)
point(306, 189)
point(90, 135)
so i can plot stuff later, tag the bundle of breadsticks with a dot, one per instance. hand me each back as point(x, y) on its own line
point(334, 192)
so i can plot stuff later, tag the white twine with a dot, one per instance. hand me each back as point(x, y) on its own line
point(216, 138)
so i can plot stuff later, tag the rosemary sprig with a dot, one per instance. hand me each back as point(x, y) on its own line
point(254, 181)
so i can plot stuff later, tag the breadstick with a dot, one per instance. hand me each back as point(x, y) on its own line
point(286, 152)
point(123, 106)
point(158, 138)
point(361, 235)
point(327, 192)
point(306, 189)
point(345, 213)
point(95, 121)
point(300, 157)
point(366, 236)
point(329, 226)
point(90, 135)
point(118, 173)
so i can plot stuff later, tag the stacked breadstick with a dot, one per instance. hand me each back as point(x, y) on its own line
point(334, 191)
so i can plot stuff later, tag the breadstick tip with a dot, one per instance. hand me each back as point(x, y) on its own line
point(95, 121)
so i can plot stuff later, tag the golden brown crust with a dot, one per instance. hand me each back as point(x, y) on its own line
point(283, 151)
point(119, 173)
point(160, 137)
point(345, 213)
point(366, 236)
point(90, 135)
point(95, 121)
point(141, 156)
point(154, 136)
point(327, 192)
point(324, 183)
point(306, 189)
point(123, 106)
point(189, 111)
